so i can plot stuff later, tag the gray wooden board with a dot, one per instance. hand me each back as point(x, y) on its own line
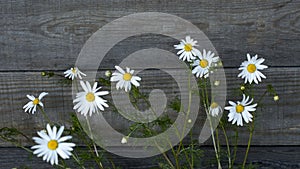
point(48, 36)
point(261, 157)
point(277, 123)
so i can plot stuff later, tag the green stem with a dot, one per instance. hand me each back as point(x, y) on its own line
point(205, 102)
point(251, 128)
point(94, 145)
point(235, 146)
point(192, 156)
point(218, 143)
point(214, 142)
point(165, 156)
point(77, 161)
point(44, 114)
point(227, 145)
point(185, 122)
point(248, 145)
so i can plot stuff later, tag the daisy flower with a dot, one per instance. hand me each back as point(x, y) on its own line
point(250, 69)
point(73, 72)
point(215, 109)
point(51, 143)
point(124, 79)
point(31, 106)
point(89, 100)
point(240, 110)
point(204, 63)
point(187, 50)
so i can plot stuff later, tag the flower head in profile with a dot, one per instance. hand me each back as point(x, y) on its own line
point(34, 102)
point(203, 63)
point(89, 100)
point(50, 144)
point(241, 110)
point(251, 69)
point(215, 109)
point(187, 50)
point(73, 72)
point(125, 79)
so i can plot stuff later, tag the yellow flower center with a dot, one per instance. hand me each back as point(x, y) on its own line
point(52, 144)
point(90, 97)
point(73, 70)
point(188, 47)
point(36, 101)
point(239, 108)
point(203, 63)
point(214, 105)
point(127, 76)
point(251, 68)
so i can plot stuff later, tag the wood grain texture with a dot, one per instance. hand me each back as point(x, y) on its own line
point(34, 31)
point(277, 122)
point(261, 157)
point(38, 35)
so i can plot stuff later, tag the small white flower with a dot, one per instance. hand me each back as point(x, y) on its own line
point(31, 106)
point(240, 110)
point(204, 63)
point(189, 120)
point(187, 50)
point(124, 79)
point(124, 140)
point(250, 69)
point(73, 72)
point(89, 100)
point(215, 109)
point(51, 143)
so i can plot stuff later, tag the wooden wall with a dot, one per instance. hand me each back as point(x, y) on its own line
point(48, 35)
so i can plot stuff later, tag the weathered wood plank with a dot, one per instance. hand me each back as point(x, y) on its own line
point(35, 31)
point(277, 124)
point(261, 157)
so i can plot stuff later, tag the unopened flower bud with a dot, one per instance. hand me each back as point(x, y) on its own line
point(276, 98)
point(217, 83)
point(243, 88)
point(108, 73)
point(124, 140)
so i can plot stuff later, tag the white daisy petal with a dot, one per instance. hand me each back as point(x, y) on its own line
point(30, 107)
point(250, 69)
point(120, 69)
point(73, 73)
point(42, 95)
point(187, 50)
point(125, 79)
point(87, 102)
point(49, 148)
point(30, 97)
point(240, 110)
point(202, 65)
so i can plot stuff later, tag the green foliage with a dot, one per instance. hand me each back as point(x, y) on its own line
point(10, 134)
point(104, 82)
point(176, 104)
point(151, 129)
point(47, 74)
